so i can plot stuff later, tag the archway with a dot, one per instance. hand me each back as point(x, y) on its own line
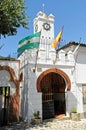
point(9, 101)
point(52, 83)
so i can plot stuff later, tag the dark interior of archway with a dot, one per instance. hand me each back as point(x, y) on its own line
point(53, 95)
point(4, 105)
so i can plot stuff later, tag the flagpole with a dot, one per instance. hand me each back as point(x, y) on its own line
point(36, 60)
point(75, 56)
point(59, 42)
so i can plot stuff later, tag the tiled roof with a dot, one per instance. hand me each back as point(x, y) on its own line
point(71, 44)
point(7, 58)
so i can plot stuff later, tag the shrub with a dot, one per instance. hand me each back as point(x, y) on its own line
point(36, 115)
point(74, 110)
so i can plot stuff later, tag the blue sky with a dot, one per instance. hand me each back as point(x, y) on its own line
point(70, 13)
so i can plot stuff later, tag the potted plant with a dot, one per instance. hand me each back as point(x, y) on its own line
point(36, 115)
point(36, 119)
point(74, 110)
point(75, 115)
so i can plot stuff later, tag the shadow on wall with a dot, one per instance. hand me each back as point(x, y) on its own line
point(71, 100)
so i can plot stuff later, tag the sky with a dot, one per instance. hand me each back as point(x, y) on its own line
point(70, 13)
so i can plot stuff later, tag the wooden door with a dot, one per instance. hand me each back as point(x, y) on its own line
point(53, 87)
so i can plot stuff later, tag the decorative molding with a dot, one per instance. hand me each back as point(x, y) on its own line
point(63, 74)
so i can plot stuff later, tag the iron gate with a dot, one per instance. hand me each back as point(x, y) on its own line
point(53, 95)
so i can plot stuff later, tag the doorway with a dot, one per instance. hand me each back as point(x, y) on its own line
point(4, 105)
point(53, 95)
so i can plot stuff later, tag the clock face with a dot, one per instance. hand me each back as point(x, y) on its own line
point(46, 26)
point(36, 28)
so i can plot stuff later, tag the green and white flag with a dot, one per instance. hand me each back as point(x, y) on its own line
point(29, 42)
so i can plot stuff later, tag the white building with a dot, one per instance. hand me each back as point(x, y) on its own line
point(53, 83)
point(10, 78)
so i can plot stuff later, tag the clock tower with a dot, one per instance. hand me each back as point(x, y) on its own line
point(45, 24)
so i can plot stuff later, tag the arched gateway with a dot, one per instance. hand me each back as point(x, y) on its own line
point(52, 83)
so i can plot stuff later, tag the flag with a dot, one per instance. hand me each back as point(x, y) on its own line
point(57, 40)
point(29, 42)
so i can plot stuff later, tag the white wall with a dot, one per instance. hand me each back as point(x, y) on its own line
point(13, 64)
point(5, 75)
point(31, 100)
point(81, 66)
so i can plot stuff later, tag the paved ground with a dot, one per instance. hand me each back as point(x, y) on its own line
point(54, 124)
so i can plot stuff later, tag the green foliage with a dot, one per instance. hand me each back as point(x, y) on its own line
point(74, 110)
point(12, 16)
point(36, 115)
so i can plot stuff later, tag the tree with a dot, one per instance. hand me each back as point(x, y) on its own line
point(12, 16)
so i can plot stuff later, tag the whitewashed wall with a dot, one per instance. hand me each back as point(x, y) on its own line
point(31, 99)
point(5, 75)
point(14, 64)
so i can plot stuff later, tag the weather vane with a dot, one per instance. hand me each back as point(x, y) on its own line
point(43, 7)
